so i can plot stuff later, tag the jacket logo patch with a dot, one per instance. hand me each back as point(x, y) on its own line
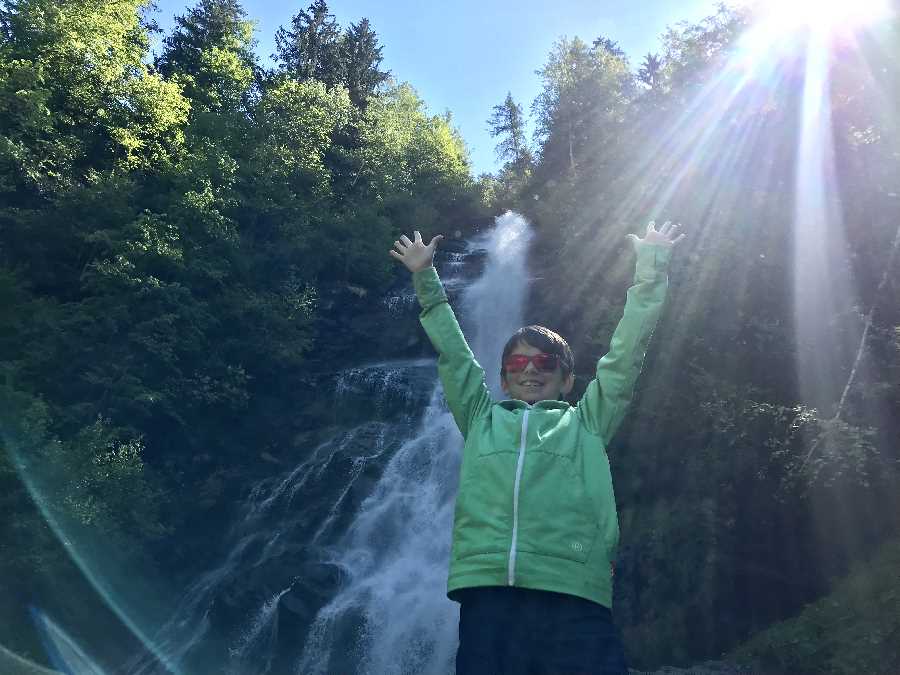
point(577, 547)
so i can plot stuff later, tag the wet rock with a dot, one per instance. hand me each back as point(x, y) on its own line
point(295, 603)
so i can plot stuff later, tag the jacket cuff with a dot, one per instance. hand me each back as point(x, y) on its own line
point(429, 289)
point(652, 260)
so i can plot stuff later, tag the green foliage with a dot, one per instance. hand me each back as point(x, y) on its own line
point(649, 72)
point(415, 165)
point(836, 452)
point(211, 53)
point(296, 121)
point(30, 540)
point(582, 104)
point(507, 122)
point(95, 481)
point(361, 55)
point(854, 629)
point(799, 449)
point(77, 95)
point(313, 48)
point(110, 492)
point(388, 132)
point(149, 129)
point(579, 118)
point(727, 499)
point(171, 241)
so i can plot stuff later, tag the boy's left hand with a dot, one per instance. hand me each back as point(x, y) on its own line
point(662, 237)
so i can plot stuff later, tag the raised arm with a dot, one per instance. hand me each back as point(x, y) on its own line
point(608, 395)
point(463, 378)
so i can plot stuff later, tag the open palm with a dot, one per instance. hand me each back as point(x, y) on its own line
point(415, 255)
point(663, 236)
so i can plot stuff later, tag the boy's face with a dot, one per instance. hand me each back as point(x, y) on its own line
point(532, 385)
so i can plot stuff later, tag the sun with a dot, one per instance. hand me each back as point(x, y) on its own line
point(823, 14)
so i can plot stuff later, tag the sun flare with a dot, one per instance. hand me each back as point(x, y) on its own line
point(823, 14)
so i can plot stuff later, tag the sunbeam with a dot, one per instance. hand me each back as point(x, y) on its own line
point(821, 279)
point(721, 148)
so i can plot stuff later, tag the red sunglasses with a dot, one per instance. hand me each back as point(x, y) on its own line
point(546, 363)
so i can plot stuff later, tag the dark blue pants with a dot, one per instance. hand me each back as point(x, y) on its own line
point(519, 631)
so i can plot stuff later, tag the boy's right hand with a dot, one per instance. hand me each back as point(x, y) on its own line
point(415, 255)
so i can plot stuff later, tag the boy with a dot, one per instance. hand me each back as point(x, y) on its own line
point(535, 528)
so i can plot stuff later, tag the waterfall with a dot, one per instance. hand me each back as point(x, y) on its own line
point(364, 522)
point(392, 614)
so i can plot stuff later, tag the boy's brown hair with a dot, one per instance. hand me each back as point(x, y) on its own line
point(544, 339)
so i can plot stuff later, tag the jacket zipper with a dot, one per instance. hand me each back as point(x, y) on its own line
point(515, 532)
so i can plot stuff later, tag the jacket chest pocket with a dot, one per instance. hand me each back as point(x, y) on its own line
point(554, 434)
point(556, 516)
point(501, 433)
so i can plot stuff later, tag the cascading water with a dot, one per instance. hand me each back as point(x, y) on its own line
point(373, 504)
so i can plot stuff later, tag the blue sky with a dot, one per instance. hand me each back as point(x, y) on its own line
point(464, 56)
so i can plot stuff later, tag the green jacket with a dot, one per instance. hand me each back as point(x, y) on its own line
point(535, 506)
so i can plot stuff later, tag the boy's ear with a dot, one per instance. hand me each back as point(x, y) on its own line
point(568, 383)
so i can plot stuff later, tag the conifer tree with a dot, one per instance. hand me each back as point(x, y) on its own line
point(211, 47)
point(650, 70)
point(311, 48)
point(508, 123)
point(608, 45)
point(361, 56)
point(583, 100)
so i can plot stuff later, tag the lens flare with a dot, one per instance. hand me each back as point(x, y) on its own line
point(64, 651)
point(10, 662)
